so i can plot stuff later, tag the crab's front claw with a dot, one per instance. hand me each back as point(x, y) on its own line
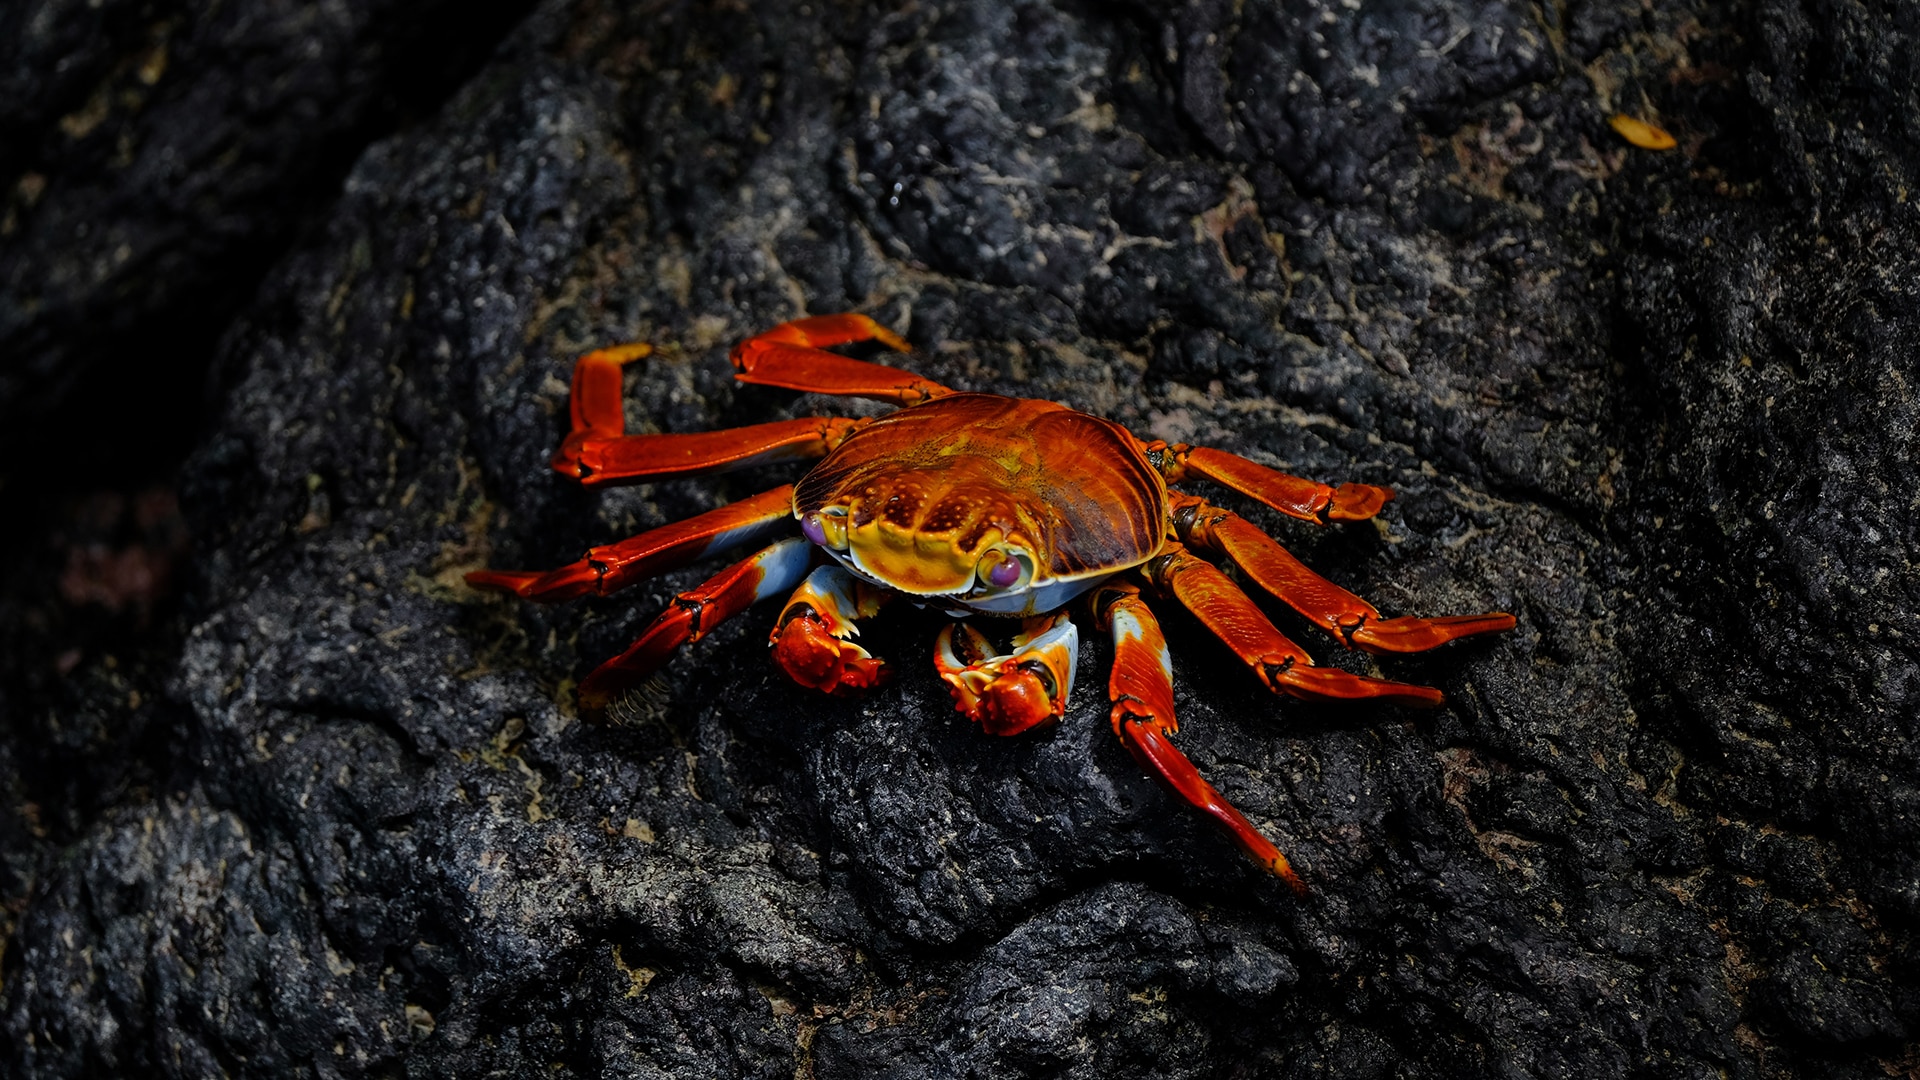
point(1011, 693)
point(811, 639)
point(812, 656)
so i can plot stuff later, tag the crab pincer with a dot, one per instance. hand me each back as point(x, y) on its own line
point(812, 638)
point(1013, 692)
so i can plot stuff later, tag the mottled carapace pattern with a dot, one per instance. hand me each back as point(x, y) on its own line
point(963, 465)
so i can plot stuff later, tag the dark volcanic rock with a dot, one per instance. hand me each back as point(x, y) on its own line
point(156, 157)
point(1657, 405)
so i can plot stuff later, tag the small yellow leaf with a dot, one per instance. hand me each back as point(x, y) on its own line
point(1640, 133)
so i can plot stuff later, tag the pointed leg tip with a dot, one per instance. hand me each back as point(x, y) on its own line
point(1333, 684)
point(1260, 849)
point(592, 702)
point(550, 587)
point(1408, 634)
point(890, 339)
point(1412, 695)
point(628, 353)
point(506, 581)
point(600, 689)
point(1280, 868)
point(604, 687)
point(1492, 622)
point(1357, 502)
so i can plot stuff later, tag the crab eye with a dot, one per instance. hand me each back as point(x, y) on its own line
point(827, 528)
point(1003, 570)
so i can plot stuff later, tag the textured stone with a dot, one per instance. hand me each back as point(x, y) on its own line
point(1657, 405)
point(157, 156)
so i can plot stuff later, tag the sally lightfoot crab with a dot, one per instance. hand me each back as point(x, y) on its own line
point(979, 505)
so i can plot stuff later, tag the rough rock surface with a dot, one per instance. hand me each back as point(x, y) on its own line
point(156, 157)
point(1659, 405)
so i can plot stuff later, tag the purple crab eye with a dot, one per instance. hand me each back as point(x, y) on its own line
point(815, 532)
point(1003, 574)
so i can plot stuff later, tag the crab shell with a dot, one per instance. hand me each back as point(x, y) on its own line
point(981, 503)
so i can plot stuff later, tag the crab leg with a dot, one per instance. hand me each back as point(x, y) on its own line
point(1141, 688)
point(598, 450)
point(792, 355)
point(612, 567)
point(595, 399)
point(811, 638)
point(1283, 666)
point(1332, 608)
point(603, 459)
point(691, 615)
point(1294, 496)
point(1008, 694)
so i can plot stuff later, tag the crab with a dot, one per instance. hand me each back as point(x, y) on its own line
point(979, 505)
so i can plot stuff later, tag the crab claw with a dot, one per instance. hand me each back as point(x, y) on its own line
point(810, 638)
point(807, 650)
point(1009, 694)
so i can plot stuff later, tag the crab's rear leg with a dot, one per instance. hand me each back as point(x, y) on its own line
point(1308, 500)
point(1141, 688)
point(610, 567)
point(1283, 666)
point(793, 356)
point(812, 640)
point(691, 615)
point(1332, 608)
point(599, 451)
point(1009, 693)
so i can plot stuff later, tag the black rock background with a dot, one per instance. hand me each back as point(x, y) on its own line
point(301, 803)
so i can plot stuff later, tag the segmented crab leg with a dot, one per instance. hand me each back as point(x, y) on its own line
point(1283, 666)
point(1008, 694)
point(792, 355)
point(610, 567)
point(1332, 608)
point(636, 458)
point(594, 402)
point(693, 614)
point(1294, 496)
point(599, 451)
point(1141, 688)
point(811, 639)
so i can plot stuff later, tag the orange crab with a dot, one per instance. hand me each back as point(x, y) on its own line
point(979, 505)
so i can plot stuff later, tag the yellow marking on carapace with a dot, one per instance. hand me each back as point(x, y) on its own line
point(915, 561)
point(973, 471)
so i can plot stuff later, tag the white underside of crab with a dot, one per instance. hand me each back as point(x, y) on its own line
point(1030, 600)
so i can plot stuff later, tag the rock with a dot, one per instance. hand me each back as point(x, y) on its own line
point(1656, 405)
point(158, 156)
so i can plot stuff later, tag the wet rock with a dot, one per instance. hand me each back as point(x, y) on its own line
point(156, 157)
point(1656, 405)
